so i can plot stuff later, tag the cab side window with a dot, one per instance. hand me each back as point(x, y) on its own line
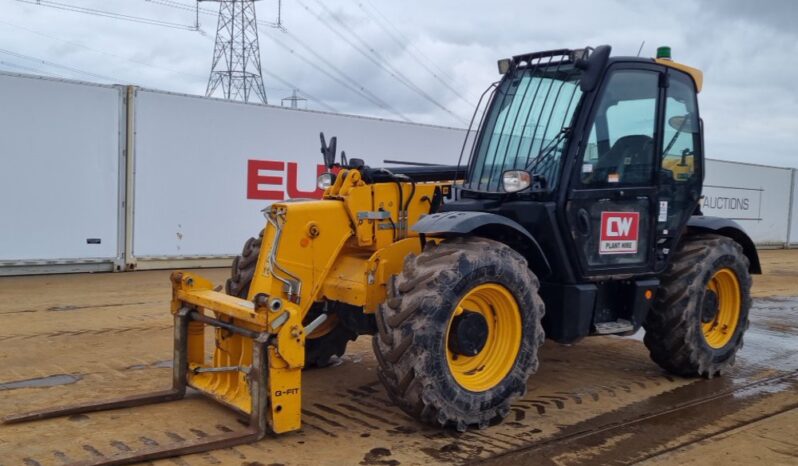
point(679, 179)
point(680, 134)
point(620, 148)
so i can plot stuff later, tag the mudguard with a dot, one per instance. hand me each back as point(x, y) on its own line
point(491, 226)
point(730, 229)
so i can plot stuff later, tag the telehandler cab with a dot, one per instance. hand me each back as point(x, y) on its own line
point(580, 200)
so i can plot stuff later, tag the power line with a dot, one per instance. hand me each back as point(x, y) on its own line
point(387, 26)
point(32, 69)
point(352, 85)
point(56, 65)
point(102, 52)
point(107, 14)
point(119, 57)
point(289, 85)
point(365, 49)
point(372, 55)
point(273, 24)
point(339, 77)
point(174, 4)
point(344, 80)
point(308, 96)
point(278, 25)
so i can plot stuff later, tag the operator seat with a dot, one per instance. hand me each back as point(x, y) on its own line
point(631, 157)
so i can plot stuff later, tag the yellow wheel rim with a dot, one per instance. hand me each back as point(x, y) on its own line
point(491, 365)
point(726, 287)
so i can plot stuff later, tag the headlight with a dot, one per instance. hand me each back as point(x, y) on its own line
point(516, 180)
point(325, 180)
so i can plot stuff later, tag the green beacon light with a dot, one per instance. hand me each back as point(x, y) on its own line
point(664, 52)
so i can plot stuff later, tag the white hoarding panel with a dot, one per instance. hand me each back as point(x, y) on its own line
point(204, 168)
point(59, 170)
point(755, 196)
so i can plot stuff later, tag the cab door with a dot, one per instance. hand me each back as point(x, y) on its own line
point(681, 165)
point(611, 201)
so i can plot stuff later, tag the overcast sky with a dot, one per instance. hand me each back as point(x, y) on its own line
point(447, 50)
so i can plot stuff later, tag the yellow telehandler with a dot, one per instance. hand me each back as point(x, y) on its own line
point(581, 197)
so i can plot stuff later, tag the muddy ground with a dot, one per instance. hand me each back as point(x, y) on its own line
point(70, 338)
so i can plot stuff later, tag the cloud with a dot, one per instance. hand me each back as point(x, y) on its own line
point(744, 48)
point(776, 14)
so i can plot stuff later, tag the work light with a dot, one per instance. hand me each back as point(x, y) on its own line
point(516, 180)
point(325, 180)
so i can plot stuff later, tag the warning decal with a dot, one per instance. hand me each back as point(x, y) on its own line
point(619, 232)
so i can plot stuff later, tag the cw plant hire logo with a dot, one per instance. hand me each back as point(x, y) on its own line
point(619, 232)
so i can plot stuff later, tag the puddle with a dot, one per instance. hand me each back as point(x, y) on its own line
point(767, 389)
point(166, 363)
point(772, 339)
point(41, 382)
point(777, 317)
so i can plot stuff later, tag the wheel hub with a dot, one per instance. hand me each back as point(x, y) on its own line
point(468, 333)
point(709, 310)
point(722, 307)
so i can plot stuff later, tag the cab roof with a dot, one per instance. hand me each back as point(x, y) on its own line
point(578, 54)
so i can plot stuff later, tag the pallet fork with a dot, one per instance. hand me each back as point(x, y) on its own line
point(260, 343)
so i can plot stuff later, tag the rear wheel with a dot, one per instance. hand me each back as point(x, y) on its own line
point(328, 340)
point(459, 333)
point(698, 319)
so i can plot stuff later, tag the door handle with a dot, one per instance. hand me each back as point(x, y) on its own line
point(583, 222)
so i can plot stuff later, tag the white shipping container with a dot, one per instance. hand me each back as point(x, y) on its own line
point(793, 240)
point(60, 145)
point(204, 168)
point(755, 196)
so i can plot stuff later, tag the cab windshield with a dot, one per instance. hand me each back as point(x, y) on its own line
point(527, 125)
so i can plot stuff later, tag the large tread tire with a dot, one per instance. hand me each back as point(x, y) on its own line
point(674, 335)
point(410, 344)
point(319, 352)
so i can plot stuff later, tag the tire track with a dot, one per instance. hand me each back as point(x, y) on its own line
point(586, 431)
point(75, 333)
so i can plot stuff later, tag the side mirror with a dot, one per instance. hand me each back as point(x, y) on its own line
point(683, 123)
point(594, 67)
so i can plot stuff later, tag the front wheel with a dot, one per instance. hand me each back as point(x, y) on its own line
point(458, 336)
point(700, 313)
